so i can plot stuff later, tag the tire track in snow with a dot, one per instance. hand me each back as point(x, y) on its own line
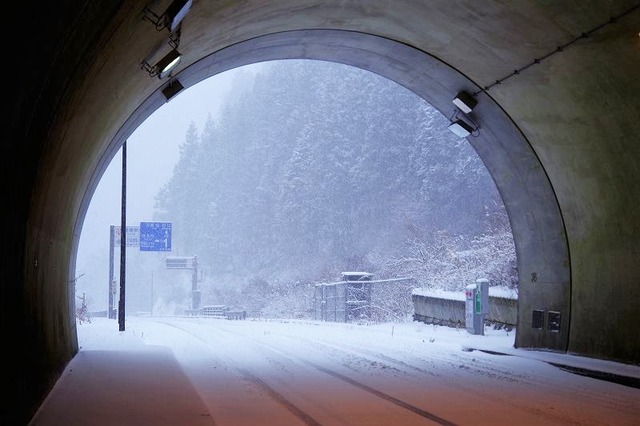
point(404, 367)
point(306, 418)
point(486, 368)
point(250, 377)
point(398, 402)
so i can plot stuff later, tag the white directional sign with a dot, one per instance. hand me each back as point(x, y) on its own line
point(132, 236)
point(181, 262)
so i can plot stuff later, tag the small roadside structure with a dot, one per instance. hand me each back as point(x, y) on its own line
point(349, 299)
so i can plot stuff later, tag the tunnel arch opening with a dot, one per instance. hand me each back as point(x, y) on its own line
point(458, 223)
point(536, 221)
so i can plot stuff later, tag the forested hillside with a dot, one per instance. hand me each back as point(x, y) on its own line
point(315, 168)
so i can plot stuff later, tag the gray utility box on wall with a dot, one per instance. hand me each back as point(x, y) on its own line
point(476, 305)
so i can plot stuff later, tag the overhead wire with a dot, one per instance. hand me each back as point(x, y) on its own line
point(558, 49)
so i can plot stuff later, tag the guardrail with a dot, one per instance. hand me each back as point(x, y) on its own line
point(450, 312)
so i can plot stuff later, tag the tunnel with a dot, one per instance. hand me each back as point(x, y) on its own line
point(557, 120)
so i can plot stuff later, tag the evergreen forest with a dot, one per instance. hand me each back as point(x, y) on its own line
point(314, 168)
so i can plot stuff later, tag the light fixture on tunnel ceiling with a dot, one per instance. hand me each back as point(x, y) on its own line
point(465, 102)
point(173, 88)
point(163, 67)
point(461, 128)
point(172, 16)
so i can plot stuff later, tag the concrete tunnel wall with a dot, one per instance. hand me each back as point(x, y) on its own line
point(560, 140)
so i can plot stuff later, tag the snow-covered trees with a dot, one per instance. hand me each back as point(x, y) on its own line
point(314, 168)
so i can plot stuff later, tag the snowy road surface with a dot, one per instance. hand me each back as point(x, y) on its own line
point(259, 372)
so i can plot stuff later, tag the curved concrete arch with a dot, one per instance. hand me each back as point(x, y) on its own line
point(537, 224)
point(81, 92)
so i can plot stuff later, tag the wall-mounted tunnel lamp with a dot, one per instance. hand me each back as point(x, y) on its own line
point(461, 128)
point(172, 17)
point(465, 102)
point(163, 67)
point(173, 88)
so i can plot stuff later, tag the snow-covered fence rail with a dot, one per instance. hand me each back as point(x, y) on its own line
point(448, 308)
point(214, 311)
point(236, 315)
point(503, 310)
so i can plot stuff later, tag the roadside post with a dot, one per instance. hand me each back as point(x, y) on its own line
point(476, 306)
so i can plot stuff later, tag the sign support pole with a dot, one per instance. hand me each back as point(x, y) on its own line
point(123, 240)
point(111, 312)
point(194, 285)
point(151, 293)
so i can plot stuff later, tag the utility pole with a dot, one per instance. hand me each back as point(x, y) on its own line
point(123, 240)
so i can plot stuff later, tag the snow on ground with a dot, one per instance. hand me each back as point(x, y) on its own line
point(201, 371)
point(103, 333)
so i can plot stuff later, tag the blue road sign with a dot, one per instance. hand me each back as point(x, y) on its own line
point(155, 236)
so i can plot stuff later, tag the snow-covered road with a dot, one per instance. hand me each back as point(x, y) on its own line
point(286, 372)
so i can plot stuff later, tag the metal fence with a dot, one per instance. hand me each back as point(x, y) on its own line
point(370, 300)
point(330, 302)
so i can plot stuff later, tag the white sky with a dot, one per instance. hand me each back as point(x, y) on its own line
point(192, 371)
point(152, 152)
